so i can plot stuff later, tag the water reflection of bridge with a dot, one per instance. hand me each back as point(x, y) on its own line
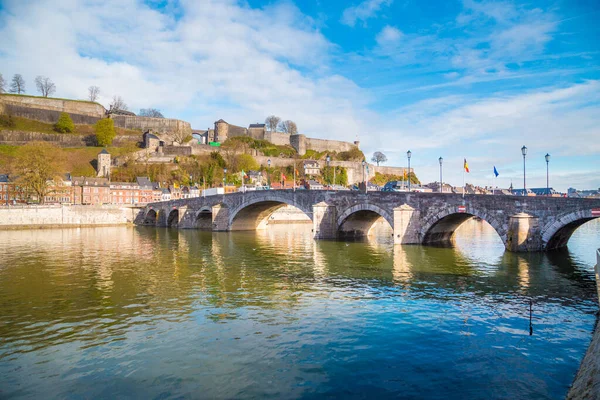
point(119, 274)
point(523, 224)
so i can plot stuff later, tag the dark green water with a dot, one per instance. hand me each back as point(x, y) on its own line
point(158, 313)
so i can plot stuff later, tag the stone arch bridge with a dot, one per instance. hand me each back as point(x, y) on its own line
point(523, 223)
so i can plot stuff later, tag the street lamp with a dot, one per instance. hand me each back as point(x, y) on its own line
point(269, 173)
point(364, 163)
point(547, 156)
point(328, 159)
point(524, 152)
point(441, 160)
point(408, 154)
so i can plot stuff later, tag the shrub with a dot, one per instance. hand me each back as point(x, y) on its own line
point(7, 121)
point(351, 155)
point(105, 131)
point(65, 124)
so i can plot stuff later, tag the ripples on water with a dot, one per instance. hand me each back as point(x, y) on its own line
point(157, 313)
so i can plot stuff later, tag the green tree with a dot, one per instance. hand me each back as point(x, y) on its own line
point(64, 124)
point(37, 164)
point(215, 155)
point(353, 154)
point(245, 162)
point(105, 131)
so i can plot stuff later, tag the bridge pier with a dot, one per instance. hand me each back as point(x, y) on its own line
point(523, 233)
point(220, 217)
point(324, 221)
point(406, 225)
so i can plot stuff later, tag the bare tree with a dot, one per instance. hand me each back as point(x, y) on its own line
point(272, 121)
point(378, 157)
point(44, 85)
point(151, 112)
point(93, 93)
point(118, 104)
point(288, 127)
point(2, 83)
point(181, 134)
point(17, 84)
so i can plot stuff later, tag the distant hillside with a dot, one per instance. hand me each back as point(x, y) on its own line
point(30, 125)
point(79, 161)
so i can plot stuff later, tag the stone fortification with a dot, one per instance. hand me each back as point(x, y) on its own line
point(279, 138)
point(224, 130)
point(84, 112)
point(57, 216)
point(19, 138)
point(48, 110)
point(328, 145)
point(159, 125)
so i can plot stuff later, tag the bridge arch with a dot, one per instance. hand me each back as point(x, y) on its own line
point(150, 217)
point(253, 213)
point(358, 220)
point(173, 218)
point(439, 227)
point(557, 234)
point(203, 218)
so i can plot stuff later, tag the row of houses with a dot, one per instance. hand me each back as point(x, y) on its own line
point(87, 190)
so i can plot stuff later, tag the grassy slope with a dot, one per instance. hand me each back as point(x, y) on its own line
point(78, 160)
point(29, 125)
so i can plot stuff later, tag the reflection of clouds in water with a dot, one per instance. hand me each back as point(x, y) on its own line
point(478, 241)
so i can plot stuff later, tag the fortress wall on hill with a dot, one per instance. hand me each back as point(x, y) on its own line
point(328, 145)
point(48, 110)
point(45, 103)
point(278, 138)
point(18, 138)
point(159, 125)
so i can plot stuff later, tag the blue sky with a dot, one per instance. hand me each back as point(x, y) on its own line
point(474, 79)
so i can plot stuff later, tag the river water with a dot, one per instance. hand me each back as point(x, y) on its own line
point(156, 313)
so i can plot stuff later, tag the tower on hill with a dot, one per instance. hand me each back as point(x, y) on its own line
point(104, 164)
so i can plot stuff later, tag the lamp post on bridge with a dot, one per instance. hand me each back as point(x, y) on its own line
point(224, 181)
point(524, 152)
point(408, 154)
point(547, 157)
point(269, 173)
point(441, 160)
point(328, 159)
point(364, 163)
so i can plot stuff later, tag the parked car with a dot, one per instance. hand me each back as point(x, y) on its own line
point(394, 186)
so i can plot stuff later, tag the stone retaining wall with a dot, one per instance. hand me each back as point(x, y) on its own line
point(19, 138)
point(56, 216)
point(587, 381)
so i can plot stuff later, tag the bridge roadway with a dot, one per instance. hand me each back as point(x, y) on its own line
point(523, 223)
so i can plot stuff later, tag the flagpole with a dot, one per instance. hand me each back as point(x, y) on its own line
point(464, 179)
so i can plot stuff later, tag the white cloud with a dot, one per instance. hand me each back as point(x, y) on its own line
point(389, 36)
point(490, 131)
point(220, 59)
point(363, 11)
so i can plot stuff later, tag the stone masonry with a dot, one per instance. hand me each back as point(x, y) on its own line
point(523, 223)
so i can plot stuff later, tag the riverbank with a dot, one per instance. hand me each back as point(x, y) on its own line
point(57, 216)
point(587, 380)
